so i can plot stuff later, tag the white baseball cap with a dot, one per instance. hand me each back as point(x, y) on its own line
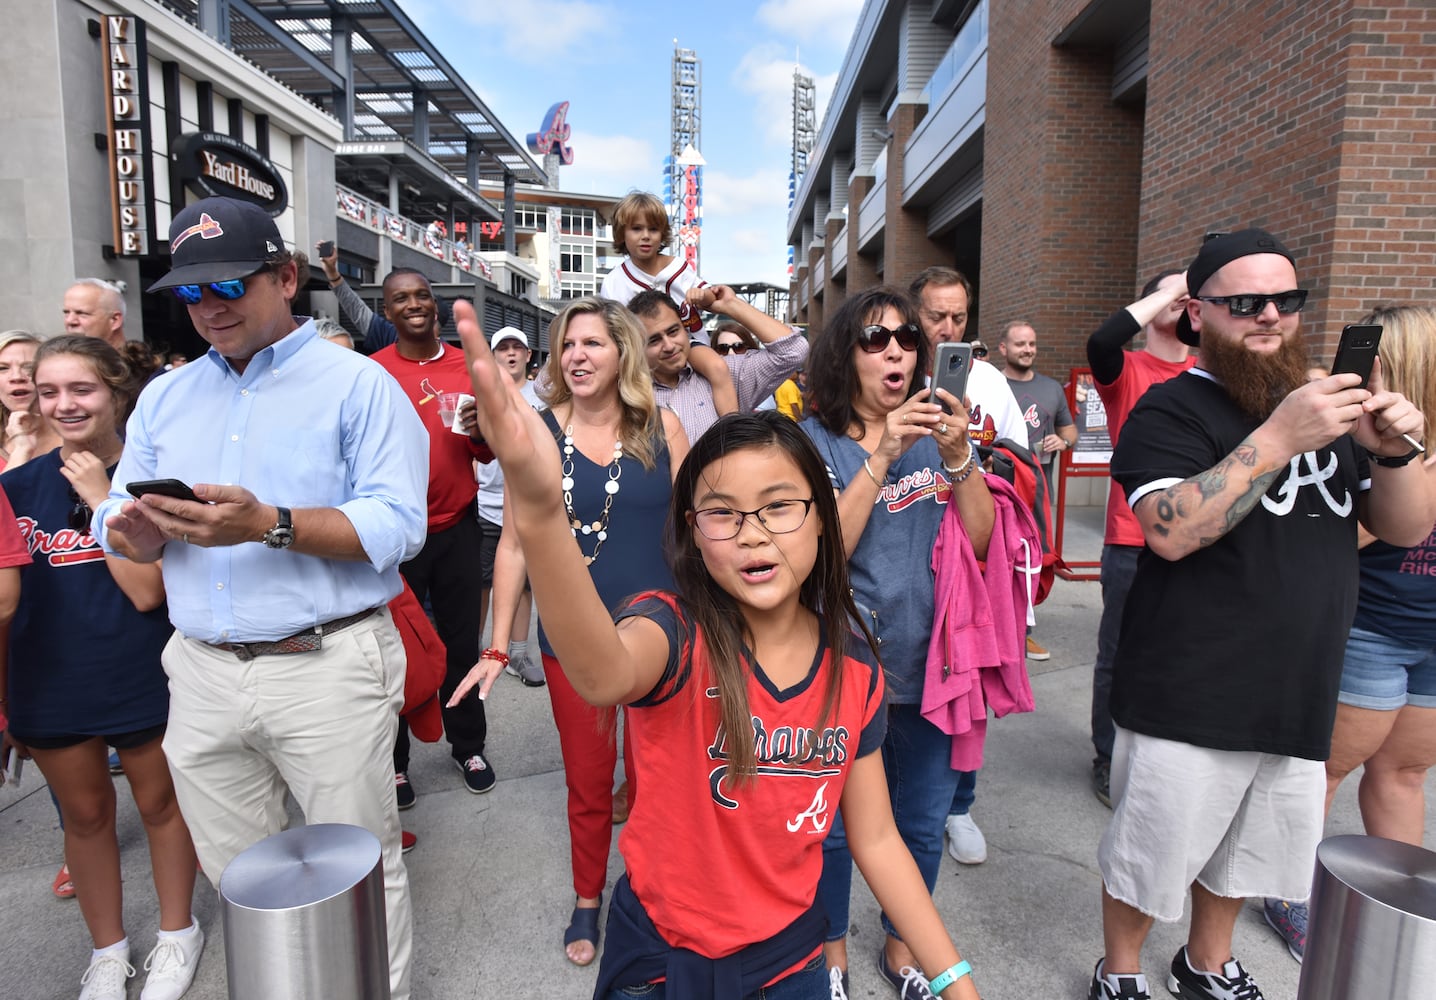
point(507, 333)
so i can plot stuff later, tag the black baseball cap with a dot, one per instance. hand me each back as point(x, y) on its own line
point(1217, 253)
point(218, 239)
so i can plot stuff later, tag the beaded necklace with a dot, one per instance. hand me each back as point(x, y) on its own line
point(598, 528)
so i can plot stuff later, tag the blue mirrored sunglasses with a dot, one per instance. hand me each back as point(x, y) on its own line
point(191, 294)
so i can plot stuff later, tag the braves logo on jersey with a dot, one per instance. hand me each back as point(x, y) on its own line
point(66, 547)
point(1286, 493)
point(784, 752)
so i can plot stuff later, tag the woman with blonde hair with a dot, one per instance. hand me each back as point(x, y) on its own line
point(1386, 707)
point(618, 452)
point(23, 435)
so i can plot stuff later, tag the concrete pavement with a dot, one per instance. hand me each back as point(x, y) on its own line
point(490, 874)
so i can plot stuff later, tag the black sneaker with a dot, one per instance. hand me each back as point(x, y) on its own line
point(1102, 781)
point(403, 791)
point(478, 776)
point(1128, 987)
point(911, 983)
point(1233, 983)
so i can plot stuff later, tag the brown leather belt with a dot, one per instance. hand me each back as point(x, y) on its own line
point(300, 642)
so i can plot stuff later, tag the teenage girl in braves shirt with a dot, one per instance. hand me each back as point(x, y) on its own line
point(641, 229)
point(753, 717)
point(72, 690)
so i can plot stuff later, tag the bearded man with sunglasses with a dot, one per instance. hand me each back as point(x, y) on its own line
point(755, 373)
point(1248, 483)
point(311, 471)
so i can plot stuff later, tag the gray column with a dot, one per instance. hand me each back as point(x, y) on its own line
point(214, 20)
point(921, 46)
point(867, 141)
point(511, 244)
point(342, 52)
point(420, 137)
point(838, 182)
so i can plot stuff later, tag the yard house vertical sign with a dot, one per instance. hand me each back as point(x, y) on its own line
point(127, 115)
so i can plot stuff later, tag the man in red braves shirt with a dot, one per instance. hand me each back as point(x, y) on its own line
point(446, 570)
point(1122, 377)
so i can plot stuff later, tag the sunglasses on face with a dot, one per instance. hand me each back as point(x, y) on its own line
point(1250, 305)
point(875, 339)
point(739, 348)
point(979, 352)
point(80, 513)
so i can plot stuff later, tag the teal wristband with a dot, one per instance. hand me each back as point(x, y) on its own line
point(949, 977)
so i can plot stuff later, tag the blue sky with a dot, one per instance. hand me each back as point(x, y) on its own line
point(612, 62)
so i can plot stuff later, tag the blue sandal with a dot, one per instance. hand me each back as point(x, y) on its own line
point(583, 926)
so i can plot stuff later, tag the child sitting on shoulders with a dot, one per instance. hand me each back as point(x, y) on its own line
point(641, 229)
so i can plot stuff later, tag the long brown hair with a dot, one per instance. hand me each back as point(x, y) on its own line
point(825, 591)
point(108, 364)
point(639, 423)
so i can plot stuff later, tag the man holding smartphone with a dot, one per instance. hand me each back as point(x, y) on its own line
point(1248, 482)
point(310, 468)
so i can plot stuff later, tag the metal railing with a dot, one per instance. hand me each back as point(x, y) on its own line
point(362, 211)
point(968, 41)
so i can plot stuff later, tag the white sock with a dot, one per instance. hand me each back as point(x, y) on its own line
point(120, 949)
point(191, 929)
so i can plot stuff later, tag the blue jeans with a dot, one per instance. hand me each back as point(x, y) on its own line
point(964, 795)
point(917, 757)
point(1119, 565)
point(808, 983)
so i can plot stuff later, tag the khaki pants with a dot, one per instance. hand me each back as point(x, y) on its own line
point(321, 724)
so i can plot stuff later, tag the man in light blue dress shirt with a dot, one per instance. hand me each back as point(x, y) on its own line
point(311, 473)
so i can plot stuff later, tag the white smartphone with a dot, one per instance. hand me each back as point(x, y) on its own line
point(950, 368)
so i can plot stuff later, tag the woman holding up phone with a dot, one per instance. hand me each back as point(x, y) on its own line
point(897, 461)
point(71, 690)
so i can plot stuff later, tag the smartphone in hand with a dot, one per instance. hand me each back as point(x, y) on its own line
point(1356, 351)
point(326, 249)
point(171, 488)
point(950, 368)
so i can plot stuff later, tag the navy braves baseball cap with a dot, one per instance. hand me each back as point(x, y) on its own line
point(1217, 253)
point(218, 239)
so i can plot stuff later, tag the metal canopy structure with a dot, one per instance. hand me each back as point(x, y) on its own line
point(367, 63)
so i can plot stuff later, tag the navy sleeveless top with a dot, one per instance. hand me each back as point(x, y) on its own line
point(630, 560)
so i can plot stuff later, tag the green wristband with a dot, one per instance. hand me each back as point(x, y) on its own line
point(949, 977)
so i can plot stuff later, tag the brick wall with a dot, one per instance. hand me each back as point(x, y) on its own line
point(1313, 120)
point(1061, 184)
point(906, 247)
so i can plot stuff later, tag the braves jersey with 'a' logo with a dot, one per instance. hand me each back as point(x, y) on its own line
point(718, 864)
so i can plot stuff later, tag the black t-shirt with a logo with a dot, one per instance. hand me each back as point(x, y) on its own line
point(1237, 646)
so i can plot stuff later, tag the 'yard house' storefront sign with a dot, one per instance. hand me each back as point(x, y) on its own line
point(127, 120)
point(218, 165)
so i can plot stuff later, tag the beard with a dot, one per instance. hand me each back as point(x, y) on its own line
point(1256, 383)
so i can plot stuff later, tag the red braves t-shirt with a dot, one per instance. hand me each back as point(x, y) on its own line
point(1140, 371)
point(719, 865)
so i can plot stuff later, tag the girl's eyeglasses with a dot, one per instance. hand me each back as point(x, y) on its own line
point(735, 348)
point(875, 339)
point(719, 524)
point(228, 290)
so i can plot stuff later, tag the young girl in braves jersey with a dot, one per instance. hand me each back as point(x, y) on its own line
point(84, 670)
point(641, 229)
point(753, 716)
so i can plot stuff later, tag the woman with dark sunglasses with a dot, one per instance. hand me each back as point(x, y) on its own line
point(71, 690)
point(897, 462)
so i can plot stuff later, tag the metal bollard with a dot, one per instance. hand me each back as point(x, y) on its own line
point(1372, 930)
point(304, 917)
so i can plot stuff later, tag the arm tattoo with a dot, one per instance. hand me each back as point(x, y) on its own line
point(1164, 508)
point(1248, 500)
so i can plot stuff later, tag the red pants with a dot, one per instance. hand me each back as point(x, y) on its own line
point(587, 737)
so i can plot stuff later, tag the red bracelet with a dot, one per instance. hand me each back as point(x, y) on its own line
point(494, 654)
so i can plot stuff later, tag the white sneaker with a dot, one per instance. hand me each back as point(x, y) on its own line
point(106, 977)
point(965, 841)
point(171, 965)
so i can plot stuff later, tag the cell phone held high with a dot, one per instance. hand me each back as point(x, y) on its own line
point(1356, 351)
point(950, 367)
point(326, 249)
point(172, 488)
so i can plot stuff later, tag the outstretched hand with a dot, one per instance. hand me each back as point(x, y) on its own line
point(514, 430)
